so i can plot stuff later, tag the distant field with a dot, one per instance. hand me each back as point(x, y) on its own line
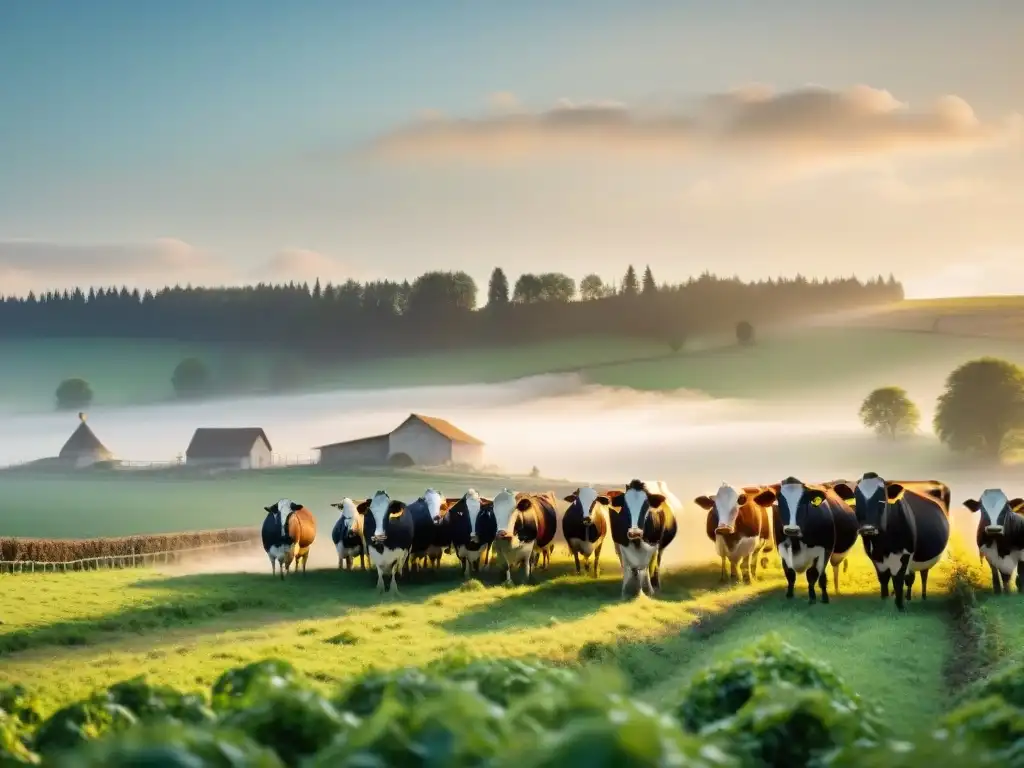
point(66, 635)
point(102, 504)
point(982, 316)
point(129, 372)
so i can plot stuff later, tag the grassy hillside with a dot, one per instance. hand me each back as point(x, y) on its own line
point(981, 316)
point(65, 635)
point(96, 504)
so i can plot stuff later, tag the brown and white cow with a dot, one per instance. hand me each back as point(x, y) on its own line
point(525, 522)
point(288, 532)
point(739, 527)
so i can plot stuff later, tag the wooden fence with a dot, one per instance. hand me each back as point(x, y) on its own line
point(130, 560)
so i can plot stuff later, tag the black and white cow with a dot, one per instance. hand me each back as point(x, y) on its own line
point(643, 522)
point(905, 530)
point(813, 527)
point(585, 525)
point(276, 542)
point(430, 523)
point(1000, 536)
point(525, 522)
point(388, 532)
point(347, 535)
point(473, 529)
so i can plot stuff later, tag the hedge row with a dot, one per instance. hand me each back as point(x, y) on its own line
point(68, 550)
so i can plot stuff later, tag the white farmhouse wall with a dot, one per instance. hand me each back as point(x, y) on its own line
point(467, 453)
point(369, 452)
point(423, 445)
point(260, 456)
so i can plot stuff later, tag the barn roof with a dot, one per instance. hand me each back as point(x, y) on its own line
point(83, 442)
point(224, 442)
point(357, 441)
point(442, 427)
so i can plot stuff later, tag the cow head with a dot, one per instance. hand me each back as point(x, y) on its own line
point(634, 505)
point(726, 503)
point(476, 505)
point(351, 520)
point(795, 500)
point(506, 513)
point(995, 509)
point(437, 505)
point(870, 500)
point(381, 509)
point(591, 503)
point(280, 511)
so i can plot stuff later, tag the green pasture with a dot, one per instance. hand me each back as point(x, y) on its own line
point(67, 634)
point(120, 503)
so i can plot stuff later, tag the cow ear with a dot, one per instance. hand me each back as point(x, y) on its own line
point(741, 500)
point(452, 502)
point(1016, 504)
point(395, 508)
point(570, 498)
point(766, 498)
point(705, 502)
point(973, 505)
point(655, 500)
point(614, 499)
point(603, 500)
point(816, 496)
point(485, 500)
point(361, 508)
point(894, 492)
point(524, 504)
point(271, 509)
point(844, 492)
point(296, 506)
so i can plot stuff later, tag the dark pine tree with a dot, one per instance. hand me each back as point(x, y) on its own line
point(497, 289)
point(649, 286)
point(629, 284)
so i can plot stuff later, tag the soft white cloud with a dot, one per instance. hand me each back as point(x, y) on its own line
point(753, 120)
point(40, 265)
point(996, 273)
point(300, 264)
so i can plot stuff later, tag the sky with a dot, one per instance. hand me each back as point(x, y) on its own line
point(230, 141)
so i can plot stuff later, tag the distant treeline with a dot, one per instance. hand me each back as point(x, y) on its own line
point(438, 309)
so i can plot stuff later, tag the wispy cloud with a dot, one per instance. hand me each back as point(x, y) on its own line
point(811, 121)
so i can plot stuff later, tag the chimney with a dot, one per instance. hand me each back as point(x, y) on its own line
point(81, 417)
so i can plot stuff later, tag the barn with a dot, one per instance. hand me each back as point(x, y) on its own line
point(229, 447)
point(419, 440)
point(83, 448)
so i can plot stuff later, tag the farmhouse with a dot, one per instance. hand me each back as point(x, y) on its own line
point(419, 440)
point(83, 448)
point(233, 447)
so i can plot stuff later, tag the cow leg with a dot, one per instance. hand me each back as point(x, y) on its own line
point(305, 560)
point(485, 556)
point(997, 586)
point(924, 584)
point(528, 567)
point(909, 581)
point(646, 582)
point(362, 561)
point(835, 575)
point(898, 581)
point(790, 580)
point(627, 581)
point(597, 560)
point(721, 579)
point(753, 565)
point(734, 574)
point(576, 558)
point(273, 567)
point(745, 568)
point(823, 583)
point(883, 583)
point(1006, 583)
point(380, 580)
point(465, 567)
point(812, 579)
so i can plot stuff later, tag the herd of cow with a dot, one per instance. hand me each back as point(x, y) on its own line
point(904, 527)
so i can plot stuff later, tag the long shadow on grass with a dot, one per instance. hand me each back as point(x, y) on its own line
point(571, 597)
point(243, 599)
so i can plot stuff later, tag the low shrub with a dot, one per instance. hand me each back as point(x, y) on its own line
point(240, 687)
point(68, 550)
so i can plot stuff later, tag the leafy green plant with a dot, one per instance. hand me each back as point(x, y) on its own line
point(150, 702)
point(81, 722)
point(171, 745)
point(787, 725)
point(991, 726)
point(13, 750)
point(1007, 683)
point(296, 723)
point(505, 681)
point(409, 686)
point(722, 689)
point(239, 687)
point(21, 705)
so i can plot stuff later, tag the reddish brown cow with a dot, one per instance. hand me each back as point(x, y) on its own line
point(740, 528)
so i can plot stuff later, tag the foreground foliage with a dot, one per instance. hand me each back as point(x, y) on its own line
point(766, 705)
